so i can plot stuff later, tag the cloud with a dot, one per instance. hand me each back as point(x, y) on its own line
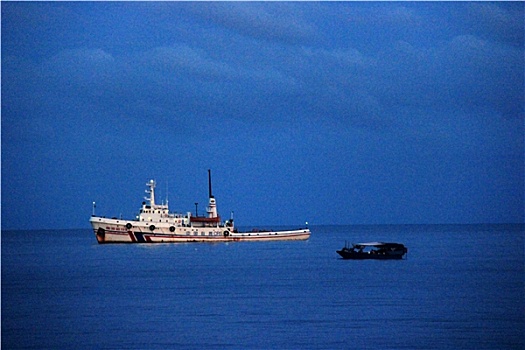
point(81, 57)
point(497, 22)
point(182, 59)
point(338, 85)
point(279, 22)
point(465, 72)
point(72, 71)
point(395, 16)
point(277, 60)
point(289, 75)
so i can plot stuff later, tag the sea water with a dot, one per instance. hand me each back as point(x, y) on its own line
point(461, 287)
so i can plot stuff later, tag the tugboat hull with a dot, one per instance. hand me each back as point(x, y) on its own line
point(112, 232)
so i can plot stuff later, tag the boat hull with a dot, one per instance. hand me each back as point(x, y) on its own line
point(121, 231)
point(345, 254)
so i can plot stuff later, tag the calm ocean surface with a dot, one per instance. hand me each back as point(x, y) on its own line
point(462, 287)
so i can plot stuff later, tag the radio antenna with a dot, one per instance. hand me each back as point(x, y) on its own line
point(167, 193)
point(209, 182)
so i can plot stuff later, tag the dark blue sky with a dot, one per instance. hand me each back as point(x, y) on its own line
point(331, 112)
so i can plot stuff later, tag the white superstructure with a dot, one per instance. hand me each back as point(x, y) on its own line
point(156, 224)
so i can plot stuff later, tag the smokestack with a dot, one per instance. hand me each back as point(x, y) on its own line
point(209, 182)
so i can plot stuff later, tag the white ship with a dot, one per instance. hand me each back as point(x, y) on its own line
point(156, 224)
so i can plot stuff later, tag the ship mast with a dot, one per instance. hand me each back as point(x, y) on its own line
point(212, 206)
point(151, 192)
point(209, 183)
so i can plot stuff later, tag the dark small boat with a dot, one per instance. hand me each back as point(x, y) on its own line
point(373, 250)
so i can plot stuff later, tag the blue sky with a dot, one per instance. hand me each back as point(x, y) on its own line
point(327, 112)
